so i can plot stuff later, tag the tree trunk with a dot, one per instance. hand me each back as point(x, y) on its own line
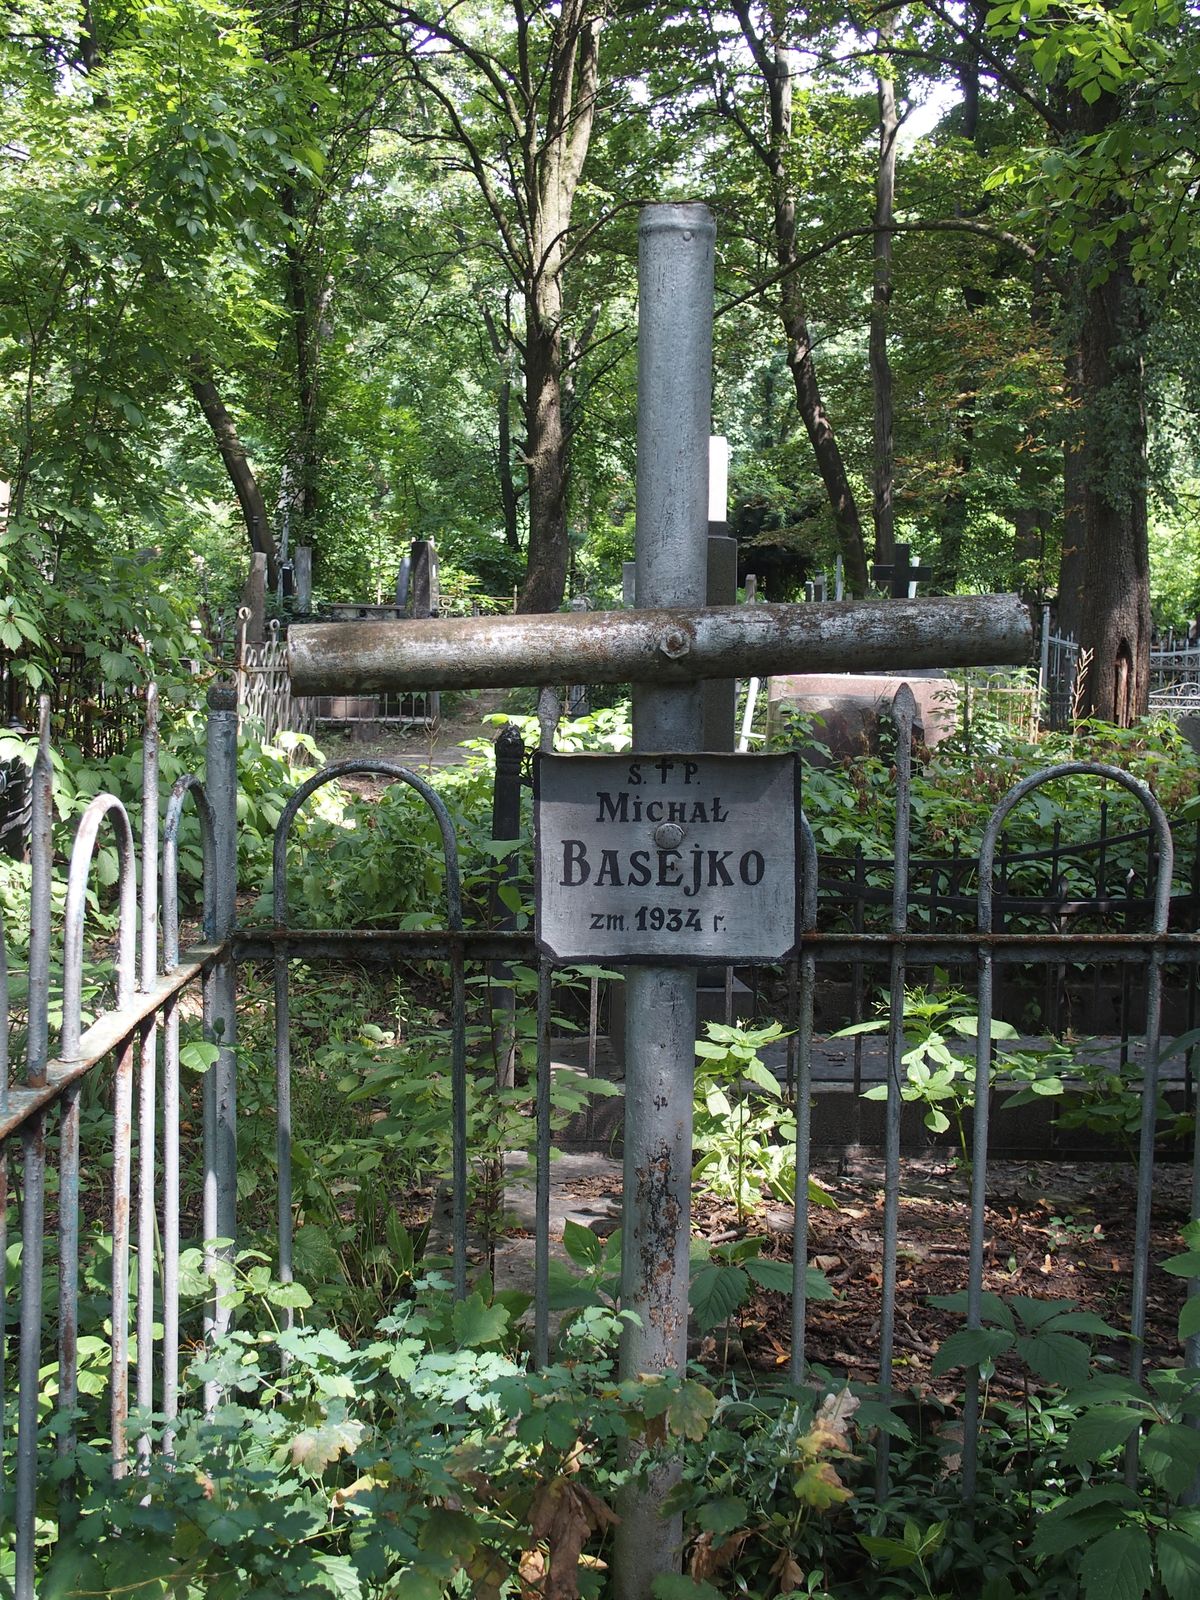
point(775, 67)
point(1114, 611)
point(504, 351)
point(883, 472)
point(556, 158)
point(1114, 567)
point(241, 474)
point(545, 461)
point(824, 443)
point(948, 561)
point(1074, 530)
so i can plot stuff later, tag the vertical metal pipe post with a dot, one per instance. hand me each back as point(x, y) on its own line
point(220, 1083)
point(675, 276)
point(1044, 669)
point(506, 825)
point(801, 1086)
point(903, 715)
point(147, 1079)
point(33, 1150)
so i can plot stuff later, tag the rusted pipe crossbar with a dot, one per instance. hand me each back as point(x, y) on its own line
point(382, 946)
point(104, 1036)
point(659, 646)
point(374, 946)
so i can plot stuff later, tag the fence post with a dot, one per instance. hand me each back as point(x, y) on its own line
point(1044, 668)
point(675, 274)
point(506, 824)
point(220, 1083)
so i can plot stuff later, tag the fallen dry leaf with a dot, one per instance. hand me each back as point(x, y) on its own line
point(564, 1515)
point(709, 1561)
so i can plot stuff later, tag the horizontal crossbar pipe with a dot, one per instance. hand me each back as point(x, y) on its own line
point(387, 945)
point(373, 946)
point(104, 1036)
point(659, 646)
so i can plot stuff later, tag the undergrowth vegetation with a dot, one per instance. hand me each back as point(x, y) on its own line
point(371, 1439)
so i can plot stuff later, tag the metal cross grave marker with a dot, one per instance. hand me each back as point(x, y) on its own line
point(902, 573)
point(666, 648)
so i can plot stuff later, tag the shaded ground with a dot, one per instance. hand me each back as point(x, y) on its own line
point(1052, 1232)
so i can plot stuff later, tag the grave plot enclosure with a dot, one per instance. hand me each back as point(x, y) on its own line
point(726, 838)
point(666, 646)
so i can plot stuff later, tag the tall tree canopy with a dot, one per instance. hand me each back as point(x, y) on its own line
point(273, 275)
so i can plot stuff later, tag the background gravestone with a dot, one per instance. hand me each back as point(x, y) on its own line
point(852, 706)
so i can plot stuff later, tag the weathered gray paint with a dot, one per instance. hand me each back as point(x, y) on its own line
point(675, 304)
point(676, 645)
point(667, 858)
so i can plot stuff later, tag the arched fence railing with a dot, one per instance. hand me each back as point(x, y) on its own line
point(77, 1026)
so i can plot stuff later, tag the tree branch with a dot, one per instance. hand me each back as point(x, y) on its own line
point(935, 225)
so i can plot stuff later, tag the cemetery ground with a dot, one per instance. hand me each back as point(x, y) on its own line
point(375, 1439)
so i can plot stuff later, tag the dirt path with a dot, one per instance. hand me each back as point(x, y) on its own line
point(420, 749)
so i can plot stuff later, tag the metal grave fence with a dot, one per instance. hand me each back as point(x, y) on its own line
point(131, 1048)
point(1174, 675)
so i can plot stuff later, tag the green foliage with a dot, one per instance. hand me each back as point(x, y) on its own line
point(1039, 1333)
point(955, 791)
point(744, 1135)
point(936, 1077)
point(724, 1276)
point(1094, 1091)
point(388, 1469)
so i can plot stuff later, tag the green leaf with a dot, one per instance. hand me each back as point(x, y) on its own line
point(1178, 1563)
point(770, 1274)
point(991, 1307)
point(895, 1555)
point(1073, 1523)
point(582, 1245)
point(198, 1056)
point(1184, 1266)
point(756, 1073)
point(414, 1585)
point(723, 1515)
point(691, 1409)
point(1189, 1317)
point(1181, 1045)
point(340, 1575)
point(315, 1448)
point(1118, 1566)
point(1057, 1357)
point(1171, 1455)
point(476, 1324)
point(673, 1586)
point(970, 1347)
point(1098, 1431)
point(289, 1296)
point(716, 1293)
